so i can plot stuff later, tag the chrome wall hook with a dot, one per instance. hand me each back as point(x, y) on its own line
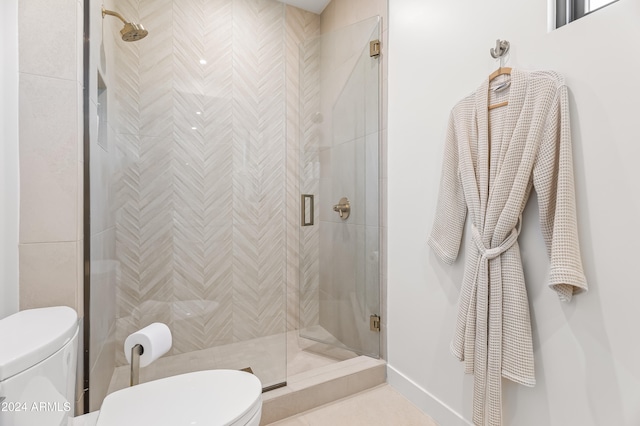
point(502, 47)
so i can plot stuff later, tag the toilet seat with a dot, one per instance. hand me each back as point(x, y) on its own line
point(208, 398)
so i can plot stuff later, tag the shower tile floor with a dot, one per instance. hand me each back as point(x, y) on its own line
point(265, 356)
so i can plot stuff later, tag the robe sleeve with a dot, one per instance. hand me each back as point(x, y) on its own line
point(553, 181)
point(451, 211)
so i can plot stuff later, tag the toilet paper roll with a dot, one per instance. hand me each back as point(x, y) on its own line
point(155, 340)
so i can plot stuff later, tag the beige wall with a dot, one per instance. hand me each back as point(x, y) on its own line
point(340, 13)
point(51, 163)
point(50, 90)
point(9, 174)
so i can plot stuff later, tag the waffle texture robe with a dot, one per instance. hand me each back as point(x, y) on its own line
point(492, 160)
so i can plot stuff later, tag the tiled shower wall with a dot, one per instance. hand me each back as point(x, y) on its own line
point(300, 26)
point(207, 198)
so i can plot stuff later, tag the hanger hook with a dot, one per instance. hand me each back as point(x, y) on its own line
point(502, 47)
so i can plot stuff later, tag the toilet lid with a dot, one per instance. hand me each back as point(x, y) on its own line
point(212, 397)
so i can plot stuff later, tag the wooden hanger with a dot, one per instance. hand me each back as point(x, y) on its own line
point(496, 73)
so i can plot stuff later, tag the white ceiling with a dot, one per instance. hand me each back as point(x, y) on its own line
point(315, 6)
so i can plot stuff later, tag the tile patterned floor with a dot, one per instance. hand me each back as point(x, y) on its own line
point(379, 406)
point(266, 356)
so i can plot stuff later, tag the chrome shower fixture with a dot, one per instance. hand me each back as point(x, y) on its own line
point(131, 30)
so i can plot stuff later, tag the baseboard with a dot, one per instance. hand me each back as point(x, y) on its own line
point(420, 397)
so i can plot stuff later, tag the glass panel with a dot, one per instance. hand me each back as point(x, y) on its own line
point(198, 125)
point(569, 11)
point(103, 163)
point(597, 4)
point(339, 256)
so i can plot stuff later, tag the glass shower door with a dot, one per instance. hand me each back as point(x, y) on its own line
point(339, 180)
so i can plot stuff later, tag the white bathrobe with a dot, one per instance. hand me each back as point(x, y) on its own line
point(492, 160)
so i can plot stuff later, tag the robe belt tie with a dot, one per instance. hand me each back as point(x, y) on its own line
point(494, 252)
point(483, 335)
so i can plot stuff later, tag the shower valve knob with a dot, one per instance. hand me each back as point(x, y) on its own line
point(343, 208)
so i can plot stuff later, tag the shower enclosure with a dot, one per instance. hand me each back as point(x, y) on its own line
point(204, 134)
point(339, 151)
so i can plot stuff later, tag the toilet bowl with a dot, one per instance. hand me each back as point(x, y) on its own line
point(37, 381)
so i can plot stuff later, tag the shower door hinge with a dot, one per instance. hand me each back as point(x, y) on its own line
point(374, 48)
point(374, 323)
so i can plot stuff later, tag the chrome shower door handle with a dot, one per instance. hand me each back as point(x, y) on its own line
point(343, 208)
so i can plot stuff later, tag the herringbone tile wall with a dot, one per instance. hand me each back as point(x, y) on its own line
point(302, 99)
point(309, 156)
point(207, 205)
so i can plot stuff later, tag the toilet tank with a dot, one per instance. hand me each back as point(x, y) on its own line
point(38, 355)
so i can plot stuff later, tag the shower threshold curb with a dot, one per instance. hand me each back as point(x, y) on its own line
point(313, 388)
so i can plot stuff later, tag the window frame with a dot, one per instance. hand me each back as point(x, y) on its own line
point(569, 10)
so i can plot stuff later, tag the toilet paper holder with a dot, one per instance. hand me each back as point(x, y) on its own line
point(145, 346)
point(136, 351)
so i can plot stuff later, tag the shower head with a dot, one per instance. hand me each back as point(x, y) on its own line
point(131, 30)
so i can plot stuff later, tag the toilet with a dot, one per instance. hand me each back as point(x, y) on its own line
point(38, 354)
